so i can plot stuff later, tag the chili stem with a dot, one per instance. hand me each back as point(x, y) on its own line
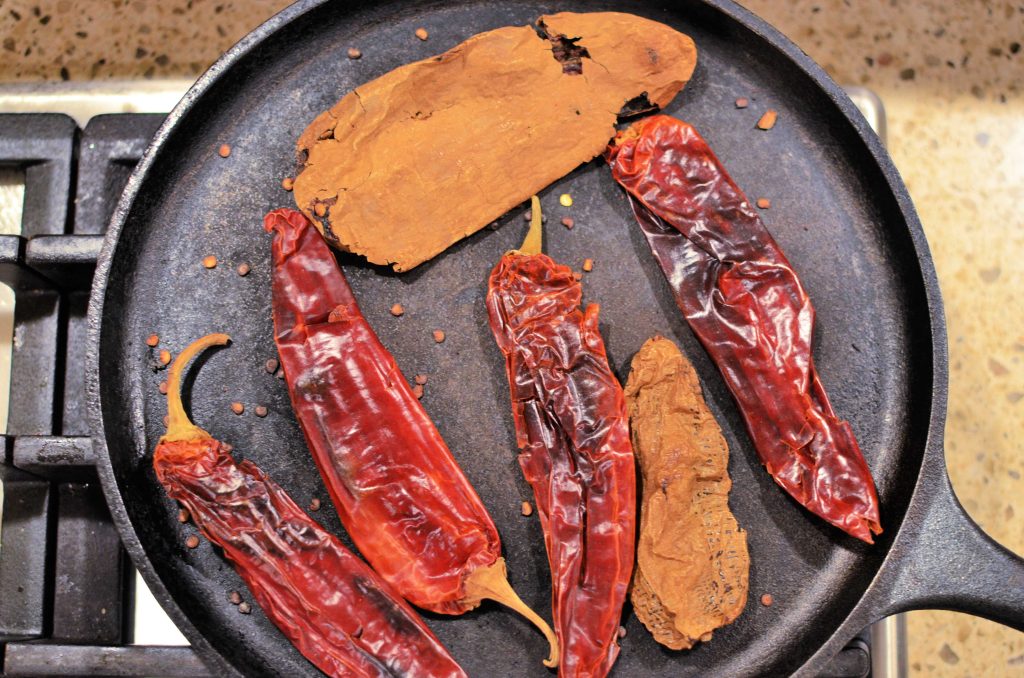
point(491, 582)
point(532, 243)
point(179, 427)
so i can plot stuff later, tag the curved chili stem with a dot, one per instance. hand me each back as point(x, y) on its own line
point(179, 426)
point(534, 237)
point(491, 582)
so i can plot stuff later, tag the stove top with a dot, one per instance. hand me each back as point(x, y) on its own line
point(70, 601)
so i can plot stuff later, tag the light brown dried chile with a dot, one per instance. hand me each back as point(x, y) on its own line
point(425, 155)
point(692, 562)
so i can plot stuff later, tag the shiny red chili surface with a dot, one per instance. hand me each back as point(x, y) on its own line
point(747, 306)
point(339, 614)
point(573, 433)
point(399, 492)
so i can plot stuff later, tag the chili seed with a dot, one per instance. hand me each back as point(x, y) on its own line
point(320, 209)
point(420, 379)
point(280, 374)
point(235, 598)
point(167, 421)
point(227, 447)
point(314, 504)
point(192, 541)
point(568, 222)
point(767, 600)
point(527, 508)
point(210, 262)
point(767, 120)
point(183, 515)
point(588, 265)
point(163, 388)
point(397, 310)
point(165, 357)
point(577, 276)
point(764, 203)
point(243, 269)
point(224, 150)
point(152, 340)
point(287, 183)
point(261, 411)
point(244, 608)
point(565, 200)
point(422, 34)
point(271, 365)
point(417, 391)
point(622, 632)
point(237, 407)
point(354, 53)
point(439, 336)
point(742, 102)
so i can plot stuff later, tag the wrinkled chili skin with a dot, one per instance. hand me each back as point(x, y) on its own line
point(399, 492)
point(747, 306)
point(573, 433)
point(339, 614)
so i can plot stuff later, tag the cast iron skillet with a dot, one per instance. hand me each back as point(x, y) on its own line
point(839, 210)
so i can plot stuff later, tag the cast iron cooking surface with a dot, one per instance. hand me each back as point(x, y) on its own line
point(831, 210)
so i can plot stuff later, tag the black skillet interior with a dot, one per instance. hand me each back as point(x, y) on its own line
point(832, 210)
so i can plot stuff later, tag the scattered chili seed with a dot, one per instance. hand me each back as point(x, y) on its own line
point(577, 276)
point(764, 203)
point(417, 391)
point(167, 420)
point(152, 340)
point(227, 447)
point(588, 265)
point(354, 53)
point(438, 336)
point(527, 509)
point(165, 357)
point(422, 34)
point(271, 365)
point(767, 600)
point(767, 120)
point(244, 607)
point(565, 200)
point(320, 209)
point(235, 598)
point(280, 374)
point(287, 183)
point(243, 269)
point(163, 388)
point(192, 541)
point(527, 215)
point(237, 408)
point(261, 411)
point(183, 515)
point(622, 632)
point(397, 310)
point(742, 102)
point(210, 262)
point(568, 222)
point(224, 150)
point(420, 379)
point(314, 504)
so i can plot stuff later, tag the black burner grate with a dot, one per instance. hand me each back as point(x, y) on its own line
point(65, 582)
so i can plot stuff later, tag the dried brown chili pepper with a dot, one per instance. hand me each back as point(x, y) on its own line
point(399, 492)
point(573, 433)
point(745, 303)
point(339, 614)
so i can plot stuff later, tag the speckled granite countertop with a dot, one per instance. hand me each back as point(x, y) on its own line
point(951, 76)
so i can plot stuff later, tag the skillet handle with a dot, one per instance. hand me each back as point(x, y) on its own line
point(949, 563)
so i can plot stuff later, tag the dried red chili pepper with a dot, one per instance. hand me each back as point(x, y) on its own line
point(339, 614)
point(573, 433)
point(746, 305)
point(398, 490)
